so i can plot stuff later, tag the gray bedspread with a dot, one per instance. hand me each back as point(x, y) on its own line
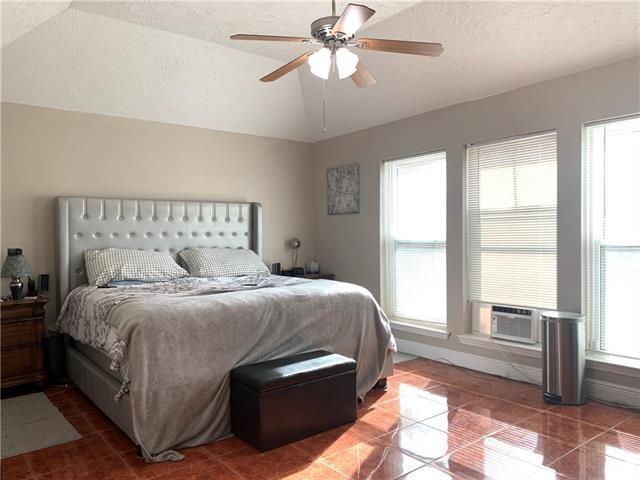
point(175, 343)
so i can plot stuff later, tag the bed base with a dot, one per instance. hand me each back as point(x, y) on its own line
point(101, 387)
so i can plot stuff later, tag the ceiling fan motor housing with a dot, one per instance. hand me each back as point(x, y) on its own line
point(321, 31)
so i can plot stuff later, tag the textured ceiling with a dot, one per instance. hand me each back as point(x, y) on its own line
point(490, 48)
point(19, 17)
point(173, 61)
point(216, 21)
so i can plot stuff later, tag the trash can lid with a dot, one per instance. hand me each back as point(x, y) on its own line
point(561, 316)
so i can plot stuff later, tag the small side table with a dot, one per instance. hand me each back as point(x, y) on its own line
point(22, 342)
point(319, 276)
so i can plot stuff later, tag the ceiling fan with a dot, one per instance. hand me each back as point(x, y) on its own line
point(336, 35)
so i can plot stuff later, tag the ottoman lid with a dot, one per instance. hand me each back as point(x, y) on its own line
point(283, 372)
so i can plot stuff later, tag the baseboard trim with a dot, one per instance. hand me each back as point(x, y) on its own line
point(597, 389)
point(612, 392)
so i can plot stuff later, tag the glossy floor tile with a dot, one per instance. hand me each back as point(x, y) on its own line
point(586, 464)
point(411, 383)
point(528, 446)
point(499, 410)
point(415, 407)
point(630, 425)
point(463, 422)
point(375, 422)
point(477, 461)
point(273, 464)
point(429, 472)
point(373, 461)
point(594, 413)
point(450, 396)
point(205, 470)
point(330, 442)
point(620, 445)
point(561, 428)
point(433, 422)
point(425, 443)
point(379, 395)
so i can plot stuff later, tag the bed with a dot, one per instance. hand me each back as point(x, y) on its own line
point(163, 375)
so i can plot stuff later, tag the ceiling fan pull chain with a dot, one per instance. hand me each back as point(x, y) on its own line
point(324, 108)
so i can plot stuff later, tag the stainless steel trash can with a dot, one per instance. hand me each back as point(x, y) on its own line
point(563, 357)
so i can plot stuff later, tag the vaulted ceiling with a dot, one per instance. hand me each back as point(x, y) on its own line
point(172, 61)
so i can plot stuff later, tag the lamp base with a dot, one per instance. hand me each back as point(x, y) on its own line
point(16, 288)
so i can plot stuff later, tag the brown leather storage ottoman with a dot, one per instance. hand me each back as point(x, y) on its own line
point(284, 400)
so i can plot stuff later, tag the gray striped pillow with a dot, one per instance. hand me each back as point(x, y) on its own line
point(117, 264)
point(222, 262)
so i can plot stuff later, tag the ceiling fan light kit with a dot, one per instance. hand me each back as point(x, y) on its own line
point(336, 36)
point(346, 62)
point(320, 63)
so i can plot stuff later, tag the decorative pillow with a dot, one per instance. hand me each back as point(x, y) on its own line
point(117, 264)
point(222, 262)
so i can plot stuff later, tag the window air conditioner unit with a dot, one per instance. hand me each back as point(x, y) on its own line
point(515, 324)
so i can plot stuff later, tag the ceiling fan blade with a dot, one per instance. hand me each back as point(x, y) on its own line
point(289, 67)
point(362, 76)
point(400, 46)
point(271, 38)
point(352, 19)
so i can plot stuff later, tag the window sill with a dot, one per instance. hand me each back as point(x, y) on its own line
point(595, 360)
point(428, 330)
point(613, 363)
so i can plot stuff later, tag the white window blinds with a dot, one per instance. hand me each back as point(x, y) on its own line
point(612, 227)
point(414, 238)
point(512, 221)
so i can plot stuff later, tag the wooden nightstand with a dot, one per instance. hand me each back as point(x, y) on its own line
point(22, 342)
point(319, 276)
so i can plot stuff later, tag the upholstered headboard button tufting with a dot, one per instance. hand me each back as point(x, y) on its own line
point(149, 225)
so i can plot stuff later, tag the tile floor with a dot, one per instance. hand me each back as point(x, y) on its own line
point(433, 422)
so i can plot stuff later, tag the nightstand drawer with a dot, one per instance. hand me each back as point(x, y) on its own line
point(18, 311)
point(17, 361)
point(18, 334)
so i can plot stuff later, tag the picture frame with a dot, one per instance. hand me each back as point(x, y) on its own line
point(343, 189)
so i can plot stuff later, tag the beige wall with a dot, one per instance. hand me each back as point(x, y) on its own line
point(349, 245)
point(47, 152)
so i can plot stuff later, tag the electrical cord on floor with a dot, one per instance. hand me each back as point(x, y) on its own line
point(510, 362)
point(467, 372)
point(457, 367)
point(504, 353)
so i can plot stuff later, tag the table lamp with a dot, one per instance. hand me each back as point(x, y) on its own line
point(14, 267)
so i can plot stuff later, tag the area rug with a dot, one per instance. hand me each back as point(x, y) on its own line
point(32, 422)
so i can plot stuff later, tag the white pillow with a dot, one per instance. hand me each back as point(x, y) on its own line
point(117, 264)
point(222, 262)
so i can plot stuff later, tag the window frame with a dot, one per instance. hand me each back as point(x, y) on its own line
point(467, 220)
point(593, 270)
point(388, 246)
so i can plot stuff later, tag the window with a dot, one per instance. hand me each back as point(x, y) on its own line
point(414, 239)
point(612, 227)
point(511, 221)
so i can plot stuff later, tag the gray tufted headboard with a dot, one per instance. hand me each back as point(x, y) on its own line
point(161, 225)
